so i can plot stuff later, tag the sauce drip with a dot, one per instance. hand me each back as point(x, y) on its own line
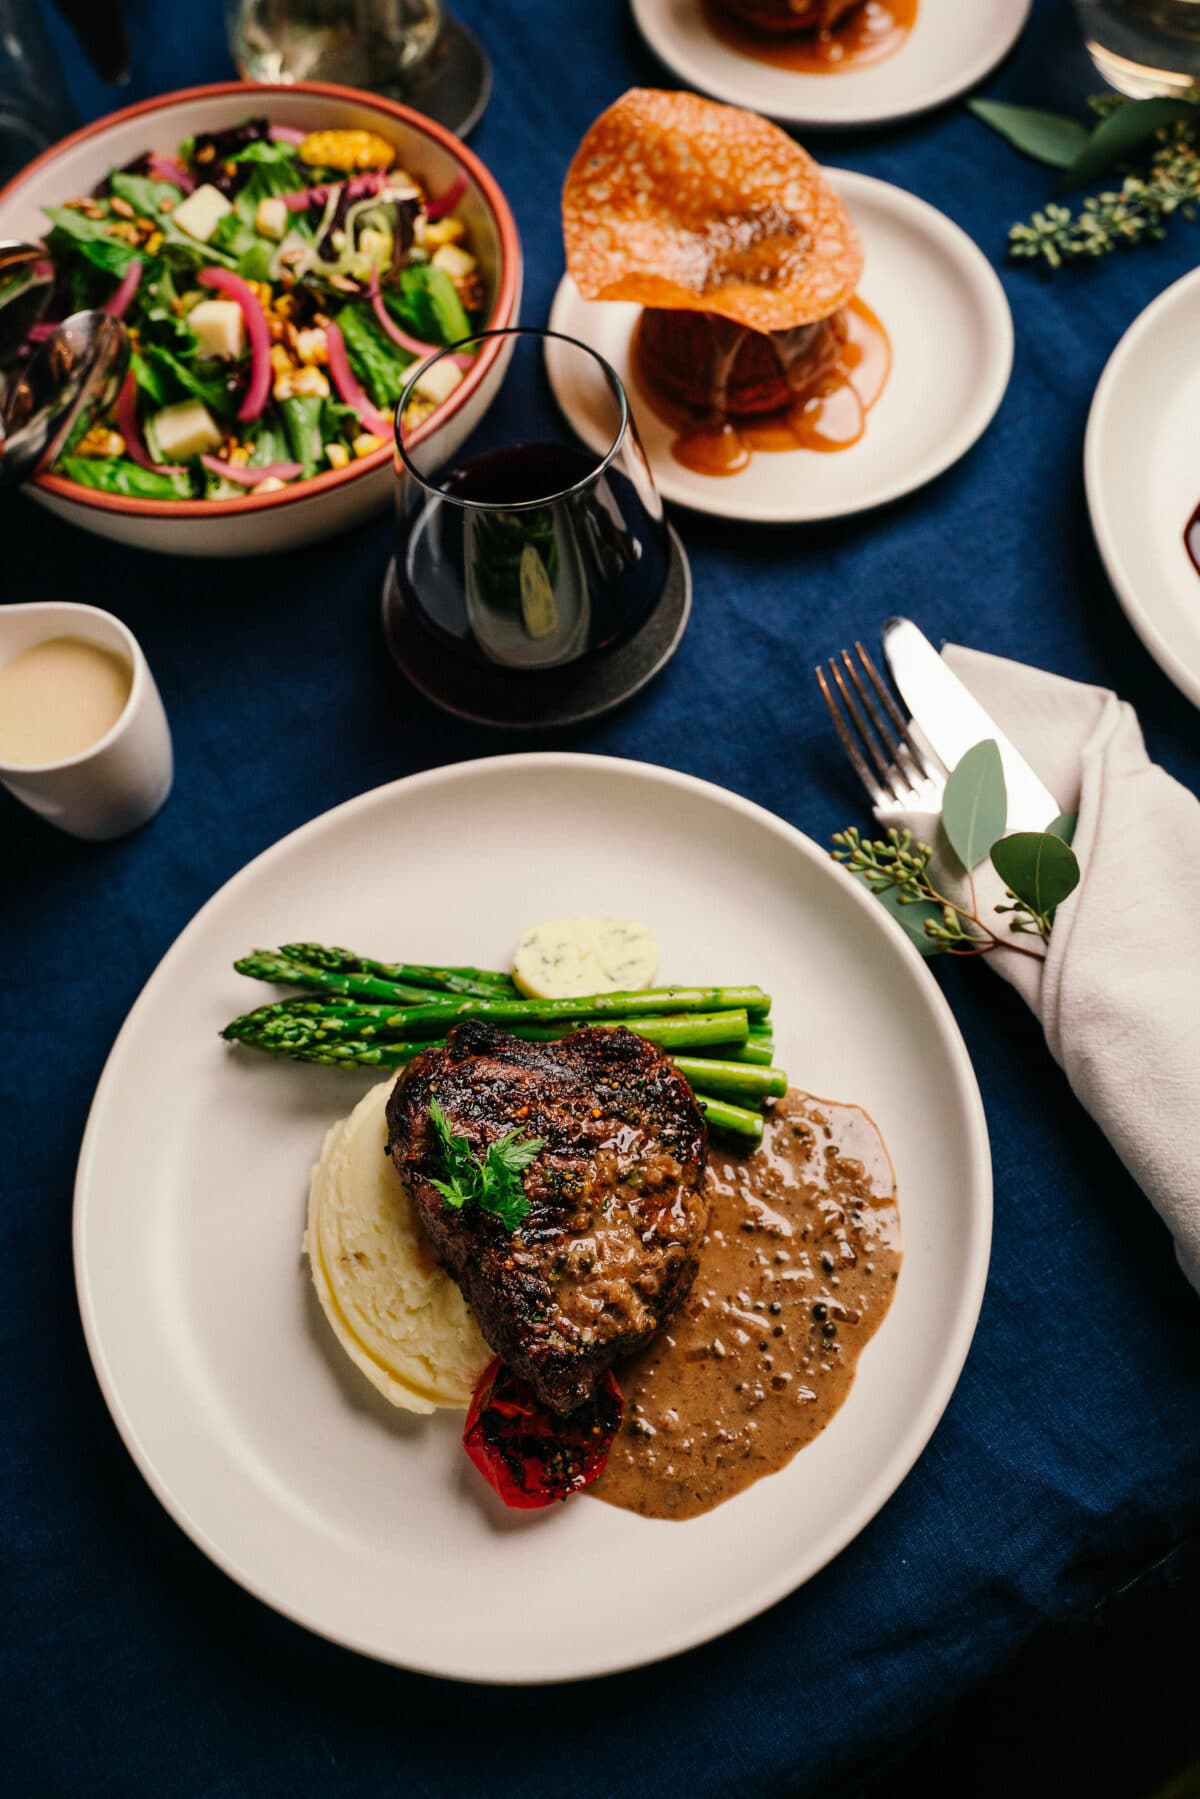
point(830, 415)
point(867, 35)
point(58, 698)
point(796, 1274)
point(1191, 539)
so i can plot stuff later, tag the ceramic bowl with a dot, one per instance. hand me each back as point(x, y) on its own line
point(255, 524)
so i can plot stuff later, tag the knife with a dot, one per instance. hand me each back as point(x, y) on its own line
point(952, 721)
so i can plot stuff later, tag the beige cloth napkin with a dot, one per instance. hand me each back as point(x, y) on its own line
point(1118, 994)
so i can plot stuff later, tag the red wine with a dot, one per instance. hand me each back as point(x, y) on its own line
point(528, 558)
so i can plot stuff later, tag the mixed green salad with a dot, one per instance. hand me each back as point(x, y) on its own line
point(277, 286)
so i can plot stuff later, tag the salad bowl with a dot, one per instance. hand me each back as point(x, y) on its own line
point(255, 523)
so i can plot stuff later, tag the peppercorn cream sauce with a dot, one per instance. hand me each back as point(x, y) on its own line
point(796, 1274)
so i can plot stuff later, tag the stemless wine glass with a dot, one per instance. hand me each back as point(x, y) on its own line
point(411, 50)
point(529, 551)
point(1144, 47)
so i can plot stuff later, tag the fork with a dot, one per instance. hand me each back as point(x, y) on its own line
point(902, 776)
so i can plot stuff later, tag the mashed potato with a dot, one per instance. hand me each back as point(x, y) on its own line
point(396, 1313)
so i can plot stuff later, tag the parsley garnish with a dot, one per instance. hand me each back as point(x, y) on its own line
point(494, 1184)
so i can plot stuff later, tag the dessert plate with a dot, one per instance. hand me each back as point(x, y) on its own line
point(952, 45)
point(1141, 465)
point(370, 1526)
point(944, 387)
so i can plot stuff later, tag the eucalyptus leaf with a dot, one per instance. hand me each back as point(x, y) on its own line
point(1039, 868)
point(1063, 826)
point(975, 807)
point(911, 917)
point(1049, 137)
point(1116, 137)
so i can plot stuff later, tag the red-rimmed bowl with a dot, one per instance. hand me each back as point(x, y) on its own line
point(257, 523)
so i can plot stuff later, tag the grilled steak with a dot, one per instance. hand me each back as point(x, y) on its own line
point(617, 1210)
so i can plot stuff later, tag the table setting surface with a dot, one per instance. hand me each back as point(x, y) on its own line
point(1068, 1459)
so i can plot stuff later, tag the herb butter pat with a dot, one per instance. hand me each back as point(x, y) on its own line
point(570, 958)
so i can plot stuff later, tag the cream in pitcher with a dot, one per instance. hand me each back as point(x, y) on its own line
point(58, 698)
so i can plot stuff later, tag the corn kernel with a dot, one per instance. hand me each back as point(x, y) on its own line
point(283, 389)
point(311, 347)
point(347, 150)
point(281, 362)
point(337, 455)
point(99, 441)
point(444, 231)
point(154, 242)
point(285, 305)
point(366, 443)
point(310, 381)
point(239, 456)
point(272, 484)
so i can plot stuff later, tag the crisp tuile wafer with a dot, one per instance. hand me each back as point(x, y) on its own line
point(676, 201)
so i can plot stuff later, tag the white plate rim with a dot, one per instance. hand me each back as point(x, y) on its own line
point(966, 1305)
point(995, 314)
point(660, 42)
point(1185, 676)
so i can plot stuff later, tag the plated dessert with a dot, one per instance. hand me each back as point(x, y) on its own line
point(745, 263)
point(816, 37)
point(831, 64)
point(531, 1219)
point(277, 284)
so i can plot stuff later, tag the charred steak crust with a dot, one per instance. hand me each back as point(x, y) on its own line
point(617, 1206)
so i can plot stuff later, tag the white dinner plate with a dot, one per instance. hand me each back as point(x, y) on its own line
point(952, 45)
point(944, 309)
point(1141, 464)
point(369, 1525)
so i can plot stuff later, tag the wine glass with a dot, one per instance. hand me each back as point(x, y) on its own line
point(1144, 47)
point(529, 552)
point(410, 50)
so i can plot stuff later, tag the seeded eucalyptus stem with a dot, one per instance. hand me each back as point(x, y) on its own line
point(896, 864)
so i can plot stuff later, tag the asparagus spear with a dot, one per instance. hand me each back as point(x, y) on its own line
point(299, 1019)
point(737, 1079)
point(481, 982)
point(271, 965)
point(736, 1119)
point(437, 1011)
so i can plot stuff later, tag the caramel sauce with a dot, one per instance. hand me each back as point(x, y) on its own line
point(1191, 539)
point(867, 35)
point(829, 415)
point(797, 1272)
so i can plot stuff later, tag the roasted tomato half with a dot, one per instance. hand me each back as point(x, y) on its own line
point(527, 1452)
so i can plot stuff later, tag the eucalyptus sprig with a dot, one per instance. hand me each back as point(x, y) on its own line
point(1161, 134)
point(1038, 868)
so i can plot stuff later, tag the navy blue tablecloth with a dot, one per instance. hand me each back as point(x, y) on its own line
point(1070, 1453)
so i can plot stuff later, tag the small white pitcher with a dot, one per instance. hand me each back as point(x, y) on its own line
point(122, 779)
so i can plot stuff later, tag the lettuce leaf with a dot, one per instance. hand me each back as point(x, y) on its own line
point(425, 303)
point(144, 195)
point(116, 474)
point(380, 364)
point(166, 377)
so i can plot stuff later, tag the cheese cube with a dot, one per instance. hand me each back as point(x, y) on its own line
point(376, 245)
point(271, 216)
point(201, 213)
point(438, 381)
point(454, 261)
point(184, 430)
point(220, 328)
